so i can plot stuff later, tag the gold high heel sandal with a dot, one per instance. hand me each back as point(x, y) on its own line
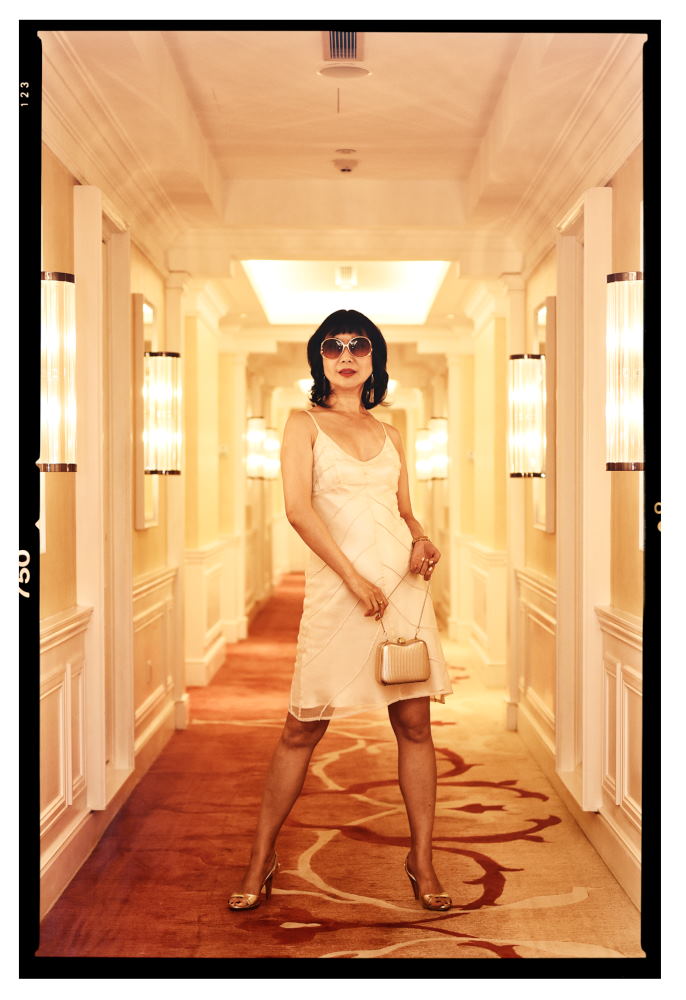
point(250, 901)
point(430, 900)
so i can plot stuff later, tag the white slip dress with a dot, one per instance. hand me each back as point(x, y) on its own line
point(335, 663)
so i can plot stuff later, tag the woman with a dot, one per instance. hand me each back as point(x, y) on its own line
point(346, 494)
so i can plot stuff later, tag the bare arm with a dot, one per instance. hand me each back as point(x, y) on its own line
point(296, 471)
point(403, 494)
point(420, 550)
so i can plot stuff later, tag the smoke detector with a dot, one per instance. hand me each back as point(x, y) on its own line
point(345, 166)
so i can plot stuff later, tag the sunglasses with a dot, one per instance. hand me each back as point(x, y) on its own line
point(332, 348)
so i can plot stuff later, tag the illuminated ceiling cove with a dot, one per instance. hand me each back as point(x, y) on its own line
point(397, 292)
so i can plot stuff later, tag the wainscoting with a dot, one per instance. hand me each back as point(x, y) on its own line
point(480, 614)
point(62, 727)
point(69, 828)
point(215, 602)
point(622, 728)
point(615, 830)
point(536, 655)
point(205, 640)
point(153, 607)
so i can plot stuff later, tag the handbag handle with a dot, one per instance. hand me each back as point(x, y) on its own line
point(426, 594)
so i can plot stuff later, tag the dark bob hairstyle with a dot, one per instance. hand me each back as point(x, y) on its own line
point(349, 321)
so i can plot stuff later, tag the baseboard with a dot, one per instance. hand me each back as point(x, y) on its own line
point(200, 672)
point(493, 675)
point(256, 607)
point(603, 835)
point(182, 711)
point(458, 630)
point(87, 830)
point(236, 629)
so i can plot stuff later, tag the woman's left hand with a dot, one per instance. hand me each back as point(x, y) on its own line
point(423, 559)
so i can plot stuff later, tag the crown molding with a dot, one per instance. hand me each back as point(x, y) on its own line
point(207, 300)
point(482, 305)
point(605, 128)
point(211, 251)
point(85, 136)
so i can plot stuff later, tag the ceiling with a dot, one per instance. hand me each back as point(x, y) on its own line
point(222, 145)
point(266, 113)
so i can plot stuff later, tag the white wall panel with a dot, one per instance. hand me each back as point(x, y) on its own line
point(623, 721)
point(54, 761)
point(77, 710)
point(206, 594)
point(62, 724)
point(536, 654)
point(153, 606)
point(486, 576)
point(214, 598)
point(611, 666)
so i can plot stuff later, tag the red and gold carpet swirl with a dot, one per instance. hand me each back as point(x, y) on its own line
point(525, 881)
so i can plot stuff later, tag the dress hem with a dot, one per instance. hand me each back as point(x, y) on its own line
point(348, 710)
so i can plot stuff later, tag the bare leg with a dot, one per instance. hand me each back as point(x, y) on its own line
point(284, 781)
point(417, 776)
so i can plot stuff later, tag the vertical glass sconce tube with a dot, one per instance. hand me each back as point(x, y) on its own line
point(423, 461)
point(162, 413)
point(58, 373)
point(527, 415)
point(624, 372)
point(270, 459)
point(255, 436)
point(438, 433)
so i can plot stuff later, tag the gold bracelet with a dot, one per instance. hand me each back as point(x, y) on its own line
point(421, 538)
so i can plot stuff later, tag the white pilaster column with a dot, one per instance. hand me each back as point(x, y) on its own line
point(596, 500)
point(569, 381)
point(516, 508)
point(458, 615)
point(176, 526)
point(90, 479)
point(256, 401)
point(234, 363)
point(583, 499)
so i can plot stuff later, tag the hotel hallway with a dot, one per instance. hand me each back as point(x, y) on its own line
point(525, 881)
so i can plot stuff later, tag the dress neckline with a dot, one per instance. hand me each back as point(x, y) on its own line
point(353, 457)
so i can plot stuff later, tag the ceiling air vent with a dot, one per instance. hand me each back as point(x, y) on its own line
point(342, 45)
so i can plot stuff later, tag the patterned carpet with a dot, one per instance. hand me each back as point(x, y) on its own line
point(525, 881)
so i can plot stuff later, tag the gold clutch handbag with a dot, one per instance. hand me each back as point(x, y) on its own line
point(403, 661)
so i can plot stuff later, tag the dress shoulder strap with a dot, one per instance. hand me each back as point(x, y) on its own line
point(310, 414)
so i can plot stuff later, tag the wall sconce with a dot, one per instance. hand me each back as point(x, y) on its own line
point(624, 372)
point(438, 435)
point(527, 408)
point(432, 450)
point(162, 413)
point(158, 437)
point(531, 414)
point(58, 373)
point(270, 458)
point(423, 462)
point(305, 385)
point(254, 437)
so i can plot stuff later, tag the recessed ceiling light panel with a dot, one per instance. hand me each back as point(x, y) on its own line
point(399, 292)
